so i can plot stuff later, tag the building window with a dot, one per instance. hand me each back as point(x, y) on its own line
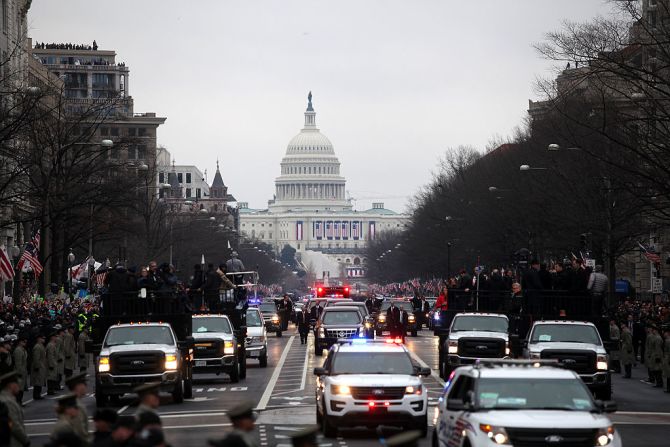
point(298, 246)
point(115, 131)
point(141, 152)
point(188, 177)
point(188, 192)
point(104, 131)
point(132, 132)
point(270, 236)
point(198, 193)
point(141, 132)
point(180, 177)
point(161, 177)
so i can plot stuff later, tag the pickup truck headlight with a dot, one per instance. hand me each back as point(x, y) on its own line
point(228, 347)
point(605, 436)
point(453, 346)
point(416, 390)
point(103, 364)
point(601, 365)
point(368, 325)
point(171, 362)
point(340, 389)
point(507, 350)
point(497, 435)
point(411, 318)
point(275, 318)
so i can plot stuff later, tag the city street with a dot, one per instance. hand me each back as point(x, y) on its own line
point(284, 397)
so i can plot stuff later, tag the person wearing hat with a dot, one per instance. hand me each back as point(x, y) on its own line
point(69, 348)
point(6, 364)
point(10, 389)
point(21, 365)
point(243, 418)
point(149, 398)
point(81, 350)
point(104, 421)
point(68, 412)
point(38, 371)
point(406, 439)
point(60, 353)
point(305, 437)
point(77, 386)
point(122, 434)
point(52, 365)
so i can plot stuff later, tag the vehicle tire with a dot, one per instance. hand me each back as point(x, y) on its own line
point(263, 361)
point(178, 392)
point(100, 399)
point(317, 350)
point(433, 439)
point(235, 373)
point(188, 389)
point(423, 426)
point(319, 418)
point(278, 333)
point(329, 430)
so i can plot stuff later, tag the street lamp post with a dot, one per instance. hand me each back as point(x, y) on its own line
point(70, 260)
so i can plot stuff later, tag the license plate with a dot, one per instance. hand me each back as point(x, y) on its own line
point(200, 363)
point(254, 353)
point(378, 410)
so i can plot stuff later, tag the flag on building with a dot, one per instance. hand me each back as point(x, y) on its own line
point(372, 231)
point(30, 257)
point(298, 231)
point(6, 269)
point(354, 230)
point(650, 254)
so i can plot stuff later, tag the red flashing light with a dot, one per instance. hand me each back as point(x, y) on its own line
point(397, 341)
point(386, 404)
point(371, 404)
point(346, 289)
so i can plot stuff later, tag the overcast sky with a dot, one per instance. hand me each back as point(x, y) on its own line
point(395, 83)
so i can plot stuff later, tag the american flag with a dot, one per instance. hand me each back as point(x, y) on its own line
point(100, 278)
point(31, 255)
point(345, 230)
point(329, 230)
point(651, 255)
point(354, 230)
point(6, 269)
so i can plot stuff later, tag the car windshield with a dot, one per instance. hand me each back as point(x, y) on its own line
point(268, 307)
point(139, 335)
point(404, 305)
point(372, 363)
point(362, 309)
point(253, 318)
point(566, 333)
point(479, 323)
point(341, 317)
point(211, 324)
point(534, 393)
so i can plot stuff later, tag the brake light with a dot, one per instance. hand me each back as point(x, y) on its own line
point(371, 404)
point(397, 341)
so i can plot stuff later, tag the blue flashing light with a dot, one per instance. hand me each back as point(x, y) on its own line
point(359, 341)
point(437, 316)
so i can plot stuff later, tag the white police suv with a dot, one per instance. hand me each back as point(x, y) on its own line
point(367, 383)
point(521, 403)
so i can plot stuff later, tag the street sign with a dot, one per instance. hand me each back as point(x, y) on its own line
point(656, 285)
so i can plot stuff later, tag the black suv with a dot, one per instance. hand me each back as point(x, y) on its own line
point(337, 323)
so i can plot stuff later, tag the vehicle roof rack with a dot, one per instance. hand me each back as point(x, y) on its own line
point(491, 363)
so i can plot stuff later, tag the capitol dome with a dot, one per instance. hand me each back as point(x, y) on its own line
point(310, 172)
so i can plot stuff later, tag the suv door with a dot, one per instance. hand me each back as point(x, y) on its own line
point(456, 395)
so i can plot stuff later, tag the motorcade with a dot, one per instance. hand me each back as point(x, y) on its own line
point(337, 323)
point(362, 308)
point(323, 291)
point(381, 324)
point(257, 338)
point(271, 317)
point(521, 403)
point(577, 346)
point(215, 348)
point(367, 383)
point(472, 336)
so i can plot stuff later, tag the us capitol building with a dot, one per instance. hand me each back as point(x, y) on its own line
point(310, 211)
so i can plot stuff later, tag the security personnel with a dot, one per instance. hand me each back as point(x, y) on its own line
point(149, 398)
point(69, 351)
point(21, 365)
point(243, 419)
point(666, 360)
point(81, 350)
point(77, 386)
point(627, 356)
point(615, 353)
point(39, 368)
point(305, 437)
point(65, 427)
point(60, 353)
point(52, 365)
point(655, 356)
point(10, 390)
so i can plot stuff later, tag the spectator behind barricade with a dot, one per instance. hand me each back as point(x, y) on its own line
point(531, 277)
point(132, 279)
point(559, 280)
point(154, 280)
point(143, 278)
point(168, 278)
point(117, 280)
point(442, 302)
point(509, 279)
point(597, 286)
point(580, 280)
point(211, 287)
point(464, 280)
point(545, 277)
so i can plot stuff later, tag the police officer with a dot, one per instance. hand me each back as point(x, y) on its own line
point(149, 398)
point(627, 356)
point(243, 419)
point(10, 390)
point(52, 365)
point(77, 386)
point(69, 351)
point(305, 437)
point(66, 426)
point(81, 350)
point(39, 368)
point(21, 365)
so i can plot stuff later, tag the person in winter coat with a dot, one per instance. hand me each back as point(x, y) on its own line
point(394, 321)
point(61, 357)
point(654, 357)
point(195, 287)
point(211, 287)
point(627, 356)
point(117, 280)
point(615, 353)
point(52, 365)
point(666, 360)
point(10, 390)
point(69, 351)
point(303, 325)
point(39, 368)
point(21, 365)
point(81, 350)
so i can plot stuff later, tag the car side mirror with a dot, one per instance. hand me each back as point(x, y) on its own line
point(607, 406)
point(423, 371)
point(320, 372)
point(187, 343)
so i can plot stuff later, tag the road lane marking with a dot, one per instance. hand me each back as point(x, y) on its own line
point(304, 371)
point(265, 398)
point(424, 365)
